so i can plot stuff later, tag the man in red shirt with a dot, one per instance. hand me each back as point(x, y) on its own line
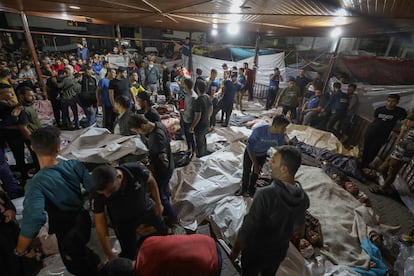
point(173, 255)
point(249, 74)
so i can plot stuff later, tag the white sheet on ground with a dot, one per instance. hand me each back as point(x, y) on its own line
point(204, 189)
point(98, 145)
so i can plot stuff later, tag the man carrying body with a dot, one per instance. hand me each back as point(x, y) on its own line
point(277, 212)
point(55, 189)
point(123, 190)
point(259, 142)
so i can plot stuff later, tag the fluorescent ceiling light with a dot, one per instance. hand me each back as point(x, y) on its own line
point(74, 7)
point(214, 32)
point(233, 28)
point(336, 32)
point(214, 26)
point(158, 21)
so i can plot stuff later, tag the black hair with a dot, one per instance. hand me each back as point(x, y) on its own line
point(121, 70)
point(241, 69)
point(353, 85)
point(61, 72)
point(188, 83)
point(123, 100)
point(201, 86)
point(199, 71)
point(137, 120)
point(119, 267)
point(45, 140)
point(101, 176)
point(5, 86)
point(4, 73)
point(291, 158)
point(394, 96)
point(213, 71)
point(23, 89)
point(280, 120)
point(337, 85)
point(144, 96)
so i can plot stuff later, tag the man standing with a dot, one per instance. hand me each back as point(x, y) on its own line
point(87, 96)
point(186, 51)
point(144, 102)
point(301, 82)
point(123, 190)
point(385, 119)
point(249, 80)
point(121, 86)
point(166, 80)
point(188, 114)
point(275, 78)
point(203, 108)
point(104, 70)
point(259, 142)
point(277, 212)
point(346, 123)
point(160, 156)
point(213, 86)
point(56, 189)
point(231, 88)
point(337, 106)
point(153, 77)
point(288, 99)
point(102, 96)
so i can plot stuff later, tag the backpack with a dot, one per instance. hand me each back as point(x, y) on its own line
point(69, 93)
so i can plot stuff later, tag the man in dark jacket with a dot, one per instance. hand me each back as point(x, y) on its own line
point(160, 156)
point(277, 212)
point(87, 97)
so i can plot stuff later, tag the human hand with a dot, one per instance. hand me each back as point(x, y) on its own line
point(158, 209)
point(191, 130)
point(9, 215)
point(17, 110)
point(257, 169)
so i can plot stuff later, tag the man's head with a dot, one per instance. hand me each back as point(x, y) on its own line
point(106, 180)
point(245, 65)
point(351, 88)
point(337, 86)
point(45, 141)
point(61, 74)
point(302, 73)
point(105, 64)
point(201, 87)
point(133, 76)
point(199, 72)
point(188, 85)
point(119, 267)
point(69, 70)
point(225, 67)
point(226, 75)
point(392, 101)
point(4, 73)
point(285, 163)
point(163, 65)
point(144, 100)
point(318, 92)
point(291, 82)
point(279, 124)
point(26, 95)
point(89, 71)
point(137, 123)
point(187, 40)
point(122, 72)
point(6, 92)
point(234, 77)
point(213, 74)
point(241, 71)
point(122, 103)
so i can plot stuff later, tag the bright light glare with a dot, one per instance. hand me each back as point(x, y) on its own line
point(214, 26)
point(214, 32)
point(233, 28)
point(336, 32)
point(74, 7)
point(64, 14)
point(341, 12)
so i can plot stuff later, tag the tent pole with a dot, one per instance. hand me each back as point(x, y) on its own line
point(256, 57)
point(30, 43)
point(331, 65)
point(118, 35)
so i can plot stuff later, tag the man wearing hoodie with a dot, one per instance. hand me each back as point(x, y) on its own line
point(277, 212)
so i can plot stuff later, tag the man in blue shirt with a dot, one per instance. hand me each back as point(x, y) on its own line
point(102, 95)
point(259, 142)
point(337, 106)
point(213, 86)
point(275, 78)
point(56, 189)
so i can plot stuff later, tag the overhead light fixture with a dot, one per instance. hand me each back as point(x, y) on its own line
point(233, 28)
point(214, 26)
point(214, 32)
point(245, 7)
point(158, 21)
point(336, 32)
point(64, 14)
point(74, 7)
point(341, 12)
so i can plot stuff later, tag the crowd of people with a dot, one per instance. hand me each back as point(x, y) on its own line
point(125, 97)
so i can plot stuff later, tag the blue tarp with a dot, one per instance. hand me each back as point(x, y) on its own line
point(240, 53)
